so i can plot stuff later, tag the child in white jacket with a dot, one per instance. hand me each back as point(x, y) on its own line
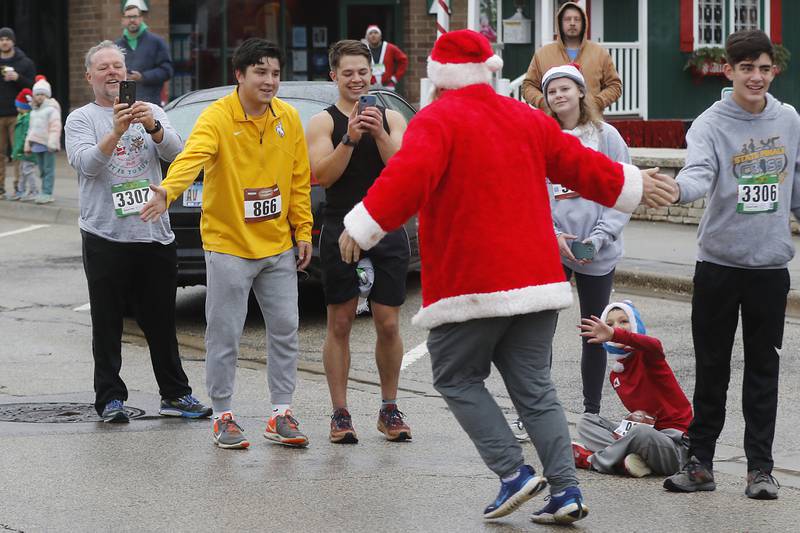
point(44, 135)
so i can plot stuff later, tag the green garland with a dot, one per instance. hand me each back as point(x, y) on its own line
point(715, 54)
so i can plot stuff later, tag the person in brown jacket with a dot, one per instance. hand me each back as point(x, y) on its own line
point(572, 46)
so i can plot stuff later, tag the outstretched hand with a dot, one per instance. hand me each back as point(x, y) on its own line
point(156, 205)
point(658, 190)
point(595, 330)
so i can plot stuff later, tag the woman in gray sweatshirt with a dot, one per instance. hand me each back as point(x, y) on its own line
point(576, 219)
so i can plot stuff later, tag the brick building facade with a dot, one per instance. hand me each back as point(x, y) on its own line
point(90, 21)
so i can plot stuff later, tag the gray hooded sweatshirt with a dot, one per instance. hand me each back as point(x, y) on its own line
point(747, 164)
point(590, 220)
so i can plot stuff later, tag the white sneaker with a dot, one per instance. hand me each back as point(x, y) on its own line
point(635, 466)
point(519, 430)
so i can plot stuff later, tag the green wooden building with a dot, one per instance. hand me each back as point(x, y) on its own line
point(651, 42)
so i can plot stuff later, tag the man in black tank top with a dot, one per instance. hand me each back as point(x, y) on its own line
point(347, 151)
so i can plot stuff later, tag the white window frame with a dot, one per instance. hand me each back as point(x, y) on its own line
point(728, 12)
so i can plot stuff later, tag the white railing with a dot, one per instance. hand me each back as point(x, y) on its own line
point(628, 61)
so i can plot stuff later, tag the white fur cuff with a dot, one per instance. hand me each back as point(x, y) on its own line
point(362, 227)
point(457, 75)
point(631, 195)
point(552, 296)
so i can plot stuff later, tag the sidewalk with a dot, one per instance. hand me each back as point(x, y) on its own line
point(659, 256)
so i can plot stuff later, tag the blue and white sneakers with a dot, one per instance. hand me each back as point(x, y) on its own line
point(186, 406)
point(565, 507)
point(114, 413)
point(516, 492)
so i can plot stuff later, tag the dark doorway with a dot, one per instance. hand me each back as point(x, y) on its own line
point(359, 17)
point(41, 30)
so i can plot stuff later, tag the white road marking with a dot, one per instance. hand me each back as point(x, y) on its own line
point(24, 230)
point(413, 355)
point(84, 307)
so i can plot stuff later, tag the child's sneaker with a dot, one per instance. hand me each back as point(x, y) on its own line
point(635, 465)
point(16, 196)
point(519, 430)
point(565, 507)
point(515, 492)
point(44, 199)
point(30, 197)
point(581, 456)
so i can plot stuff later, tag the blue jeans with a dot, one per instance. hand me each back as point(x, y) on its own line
point(47, 168)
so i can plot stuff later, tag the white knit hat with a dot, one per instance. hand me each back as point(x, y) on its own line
point(461, 58)
point(42, 87)
point(571, 71)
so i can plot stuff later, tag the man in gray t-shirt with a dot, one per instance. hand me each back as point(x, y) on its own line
point(115, 149)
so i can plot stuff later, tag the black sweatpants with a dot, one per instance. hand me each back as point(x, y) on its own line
point(719, 293)
point(143, 275)
point(593, 295)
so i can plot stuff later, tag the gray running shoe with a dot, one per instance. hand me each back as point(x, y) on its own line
point(761, 486)
point(693, 477)
point(228, 434)
point(519, 430)
point(283, 430)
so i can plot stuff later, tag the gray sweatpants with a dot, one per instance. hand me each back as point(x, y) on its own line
point(519, 346)
point(274, 282)
point(28, 177)
point(662, 450)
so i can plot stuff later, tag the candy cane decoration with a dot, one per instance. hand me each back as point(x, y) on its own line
point(442, 18)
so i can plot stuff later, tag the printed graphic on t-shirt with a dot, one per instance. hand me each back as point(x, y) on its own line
point(131, 155)
point(759, 169)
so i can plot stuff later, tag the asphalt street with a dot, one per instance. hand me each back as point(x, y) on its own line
point(166, 475)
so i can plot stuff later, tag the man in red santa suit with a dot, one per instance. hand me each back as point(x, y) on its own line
point(389, 63)
point(493, 283)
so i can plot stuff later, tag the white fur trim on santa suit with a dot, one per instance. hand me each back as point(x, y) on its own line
point(553, 296)
point(458, 75)
point(362, 227)
point(631, 195)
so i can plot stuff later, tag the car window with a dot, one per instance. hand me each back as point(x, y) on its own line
point(183, 117)
point(396, 103)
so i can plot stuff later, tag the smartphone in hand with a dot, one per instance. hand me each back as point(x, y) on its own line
point(365, 101)
point(127, 92)
point(582, 250)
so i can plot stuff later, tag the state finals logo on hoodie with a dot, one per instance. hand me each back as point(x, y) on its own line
point(766, 157)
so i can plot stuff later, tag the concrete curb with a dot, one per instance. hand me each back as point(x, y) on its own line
point(681, 286)
point(49, 213)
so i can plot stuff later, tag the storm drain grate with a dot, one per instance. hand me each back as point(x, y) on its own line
point(49, 413)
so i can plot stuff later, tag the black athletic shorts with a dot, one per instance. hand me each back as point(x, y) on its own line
point(390, 258)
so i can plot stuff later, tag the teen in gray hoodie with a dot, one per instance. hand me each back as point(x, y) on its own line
point(579, 219)
point(744, 155)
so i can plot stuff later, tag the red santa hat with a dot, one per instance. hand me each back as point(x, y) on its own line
point(371, 28)
point(23, 100)
point(461, 58)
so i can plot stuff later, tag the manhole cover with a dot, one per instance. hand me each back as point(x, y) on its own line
point(48, 413)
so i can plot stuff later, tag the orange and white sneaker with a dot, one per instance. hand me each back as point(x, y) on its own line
point(228, 434)
point(283, 430)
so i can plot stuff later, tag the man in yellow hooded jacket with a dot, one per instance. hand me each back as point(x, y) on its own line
point(256, 197)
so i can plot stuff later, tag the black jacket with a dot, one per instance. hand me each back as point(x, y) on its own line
point(10, 89)
point(151, 58)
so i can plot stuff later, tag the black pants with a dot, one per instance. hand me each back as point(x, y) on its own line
point(719, 293)
point(143, 276)
point(593, 294)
